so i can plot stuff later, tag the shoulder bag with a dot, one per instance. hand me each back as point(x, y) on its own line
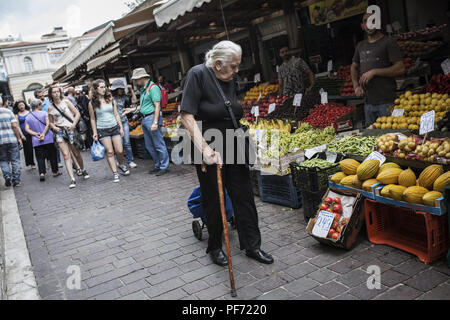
point(241, 130)
point(78, 141)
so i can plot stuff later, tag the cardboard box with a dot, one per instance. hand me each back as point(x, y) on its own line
point(278, 166)
point(349, 234)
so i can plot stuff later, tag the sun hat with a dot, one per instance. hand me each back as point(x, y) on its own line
point(117, 84)
point(139, 73)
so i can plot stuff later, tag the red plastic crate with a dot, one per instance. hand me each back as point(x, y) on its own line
point(420, 233)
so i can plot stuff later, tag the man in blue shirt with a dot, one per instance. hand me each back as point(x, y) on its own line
point(45, 102)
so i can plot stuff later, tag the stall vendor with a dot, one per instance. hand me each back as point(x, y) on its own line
point(380, 61)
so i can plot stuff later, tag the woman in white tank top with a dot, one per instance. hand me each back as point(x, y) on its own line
point(64, 116)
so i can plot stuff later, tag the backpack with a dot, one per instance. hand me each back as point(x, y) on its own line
point(164, 95)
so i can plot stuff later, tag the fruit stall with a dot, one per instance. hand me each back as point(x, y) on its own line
point(388, 179)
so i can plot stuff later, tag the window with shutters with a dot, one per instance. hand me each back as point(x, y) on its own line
point(28, 64)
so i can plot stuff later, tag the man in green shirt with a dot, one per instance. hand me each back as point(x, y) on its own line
point(150, 108)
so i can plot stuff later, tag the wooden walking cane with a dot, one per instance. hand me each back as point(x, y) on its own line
point(225, 229)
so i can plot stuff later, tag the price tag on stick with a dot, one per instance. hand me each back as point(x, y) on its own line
point(427, 122)
point(257, 78)
point(298, 100)
point(398, 112)
point(323, 224)
point(324, 98)
point(271, 108)
point(376, 156)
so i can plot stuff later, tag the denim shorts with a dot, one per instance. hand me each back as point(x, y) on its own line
point(108, 133)
point(64, 134)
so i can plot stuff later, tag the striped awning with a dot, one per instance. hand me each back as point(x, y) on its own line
point(173, 9)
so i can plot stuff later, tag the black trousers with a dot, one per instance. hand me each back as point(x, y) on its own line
point(28, 151)
point(236, 179)
point(46, 151)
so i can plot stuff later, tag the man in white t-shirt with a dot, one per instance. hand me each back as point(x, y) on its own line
point(10, 145)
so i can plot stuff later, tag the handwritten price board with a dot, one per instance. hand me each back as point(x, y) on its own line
point(377, 156)
point(323, 224)
point(257, 78)
point(398, 112)
point(427, 122)
point(324, 98)
point(298, 100)
point(271, 108)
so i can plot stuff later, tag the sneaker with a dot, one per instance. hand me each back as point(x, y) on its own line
point(8, 182)
point(72, 184)
point(79, 172)
point(154, 171)
point(85, 175)
point(42, 177)
point(17, 184)
point(124, 170)
point(132, 165)
point(60, 165)
point(116, 177)
point(57, 174)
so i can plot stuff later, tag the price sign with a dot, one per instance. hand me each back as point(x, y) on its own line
point(331, 156)
point(446, 66)
point(401, 136)
point(271, 108)
point(298, 100)
point(427, 122)
point(256, 111)
point(330, 65)
point(179, 108)
point(324, 98)
point(278, 69)
point(258, 135)
point(376, 156)
point(398, 112)
point(257, 78)
point(309, 153)
point(323, 224)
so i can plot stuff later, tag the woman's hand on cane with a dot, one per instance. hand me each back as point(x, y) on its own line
point(212, 157)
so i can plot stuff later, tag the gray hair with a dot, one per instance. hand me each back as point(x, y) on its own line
point(224, 51)
point(35, 103)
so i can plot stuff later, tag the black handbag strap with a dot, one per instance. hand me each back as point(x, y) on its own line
point(38, 119)
point(62, 113)
point(225, 99)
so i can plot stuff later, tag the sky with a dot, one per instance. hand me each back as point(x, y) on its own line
point(34, 18)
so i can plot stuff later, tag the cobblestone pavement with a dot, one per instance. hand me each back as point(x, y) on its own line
point(134, 240)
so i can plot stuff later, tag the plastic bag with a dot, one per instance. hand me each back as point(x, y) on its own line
point(97, 151)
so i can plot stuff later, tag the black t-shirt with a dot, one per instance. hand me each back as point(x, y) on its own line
point(380, 54)
point(202, 98)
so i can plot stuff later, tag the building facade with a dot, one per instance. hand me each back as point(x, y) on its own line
point(29, 65)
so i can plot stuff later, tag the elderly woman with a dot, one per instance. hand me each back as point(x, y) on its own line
point(202, 101)
point(37, 125)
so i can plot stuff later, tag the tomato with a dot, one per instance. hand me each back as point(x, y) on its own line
point(335, 225)
point(335, 236)
point(324, 207)
point(329, 200)
point(337, 208)
point(344, 221)
point(330, 233)
point(339, 228)
point(329, 210)
point(337, 200)
point(337, 216)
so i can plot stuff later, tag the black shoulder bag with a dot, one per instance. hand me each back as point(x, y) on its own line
point(248, 149)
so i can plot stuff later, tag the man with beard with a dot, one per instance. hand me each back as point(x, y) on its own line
point(380, 61)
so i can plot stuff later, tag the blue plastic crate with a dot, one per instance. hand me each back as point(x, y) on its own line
point(279, 190)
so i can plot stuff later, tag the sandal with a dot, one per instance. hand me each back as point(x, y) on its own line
point(57, 174)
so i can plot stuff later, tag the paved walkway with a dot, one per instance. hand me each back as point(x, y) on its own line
point(134, 240)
